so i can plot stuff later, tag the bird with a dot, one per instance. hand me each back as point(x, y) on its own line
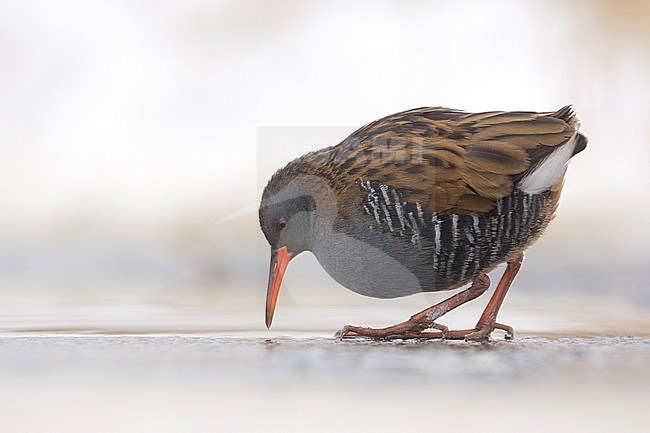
point(425, 200)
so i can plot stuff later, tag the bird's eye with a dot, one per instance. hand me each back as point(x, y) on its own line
point(282, 224)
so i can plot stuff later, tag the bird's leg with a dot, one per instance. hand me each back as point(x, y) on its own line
point(488, 321)
point(414, 327)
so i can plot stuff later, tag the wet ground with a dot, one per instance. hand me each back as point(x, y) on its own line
point(160, 372)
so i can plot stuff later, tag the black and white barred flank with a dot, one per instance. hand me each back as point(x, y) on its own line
point(459, 246)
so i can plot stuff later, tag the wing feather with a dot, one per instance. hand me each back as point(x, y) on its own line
point(448, 160)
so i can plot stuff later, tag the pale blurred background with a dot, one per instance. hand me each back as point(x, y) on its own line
point(132, 135)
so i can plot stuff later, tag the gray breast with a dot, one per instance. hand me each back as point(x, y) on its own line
point(365, 266)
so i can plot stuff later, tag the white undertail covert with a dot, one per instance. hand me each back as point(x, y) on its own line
point(547, 173)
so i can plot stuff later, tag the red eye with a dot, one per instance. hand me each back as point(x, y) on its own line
point(282, 224)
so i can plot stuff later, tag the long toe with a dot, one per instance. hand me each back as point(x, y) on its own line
point(344, 332)
point(408, 328)
point(351, 331)
point(484, 332)
point(510, 332)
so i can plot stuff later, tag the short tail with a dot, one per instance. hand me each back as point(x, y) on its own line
point(581, 144)
point(567, 114)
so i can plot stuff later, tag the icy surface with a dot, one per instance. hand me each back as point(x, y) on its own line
point(198, 383)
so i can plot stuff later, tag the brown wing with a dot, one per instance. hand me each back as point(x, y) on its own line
point(447, 160)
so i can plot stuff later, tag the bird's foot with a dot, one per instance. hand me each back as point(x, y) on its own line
point(420, 324)
point(405, 330)
point(413, 330)
point(480, 332)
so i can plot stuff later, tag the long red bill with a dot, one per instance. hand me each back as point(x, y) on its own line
point(279, 260)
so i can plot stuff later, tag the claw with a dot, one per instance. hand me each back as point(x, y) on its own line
point(349, 331)
point(510, 333)
point(442, 328)
point(341, 332)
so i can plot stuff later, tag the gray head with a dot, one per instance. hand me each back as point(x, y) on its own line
point(287, 217)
